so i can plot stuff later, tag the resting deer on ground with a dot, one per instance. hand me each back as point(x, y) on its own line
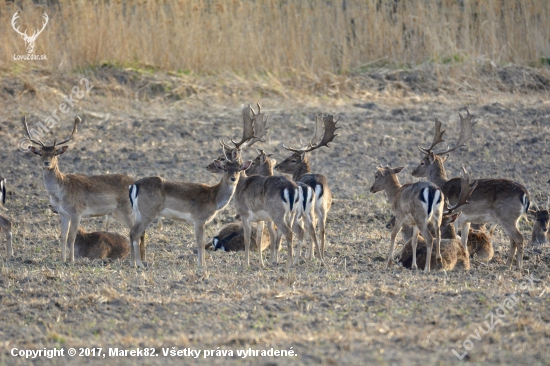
point(298, 165)
point(230, 238)
point(76, 196)
point(5, 224)
point(416, 204)
point(264, 198)
point(500, 201)
point(452, 252)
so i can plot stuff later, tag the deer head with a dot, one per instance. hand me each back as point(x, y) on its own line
point(49, 154)
point(29, 40)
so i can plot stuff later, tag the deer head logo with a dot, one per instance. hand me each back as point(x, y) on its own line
point(29, 40)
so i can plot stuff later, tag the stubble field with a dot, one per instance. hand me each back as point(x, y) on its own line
point(353, 310)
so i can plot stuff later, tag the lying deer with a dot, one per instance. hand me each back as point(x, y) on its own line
point(416, 204)
point(230, 238)
point(298, 165)
point(540, 232)
point(500, 201)
point(76, 196)
point(5, 224)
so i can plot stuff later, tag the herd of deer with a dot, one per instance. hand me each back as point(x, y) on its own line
point(288, 206)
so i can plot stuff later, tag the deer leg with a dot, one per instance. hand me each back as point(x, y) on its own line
point(429, 243)
point(287, 232)
point(464, 236)
point(394, 233)
point(73, 229)
point(106, 222)
point(199, 234)
point(414, 243)
point(273, 242)
point(5, 224)
point(311, 230)
point(138, 230)
point(247, 231)
point(65, 223)
point(322, 221)
point(298, 228)
point(516, 244)
point(259, 234)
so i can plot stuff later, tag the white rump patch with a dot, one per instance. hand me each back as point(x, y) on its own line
point(135, 208)
point(287, 199)
point(425, 195)
point(437, 198)
point(318, 190)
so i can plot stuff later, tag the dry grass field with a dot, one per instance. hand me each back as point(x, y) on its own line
point(167, 82)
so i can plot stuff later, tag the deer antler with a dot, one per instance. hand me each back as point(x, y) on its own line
point(13, 19)
point(37, 142)
point(328, 134)
point(260, 127)
point(466, 190)
point(77, 120)
point(466, 132)
point(438, 137)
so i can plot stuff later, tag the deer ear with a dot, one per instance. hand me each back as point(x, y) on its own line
point(219, 165)
point(246, 165)
point(263, 158)
point(445, 157)
point(34, 150)
point(398, 170)
point(61, 150)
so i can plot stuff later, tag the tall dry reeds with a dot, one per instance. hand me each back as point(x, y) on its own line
point(278, 36)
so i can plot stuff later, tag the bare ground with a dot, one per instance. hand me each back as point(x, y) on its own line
point(352, 311)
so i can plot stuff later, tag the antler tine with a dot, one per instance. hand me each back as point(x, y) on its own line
point(37, 142)
point(328, 134)
point(438, 137)
point(77, 120)
point(466, 132)
point(260, 130)
point(466, 190)
point(248, 126)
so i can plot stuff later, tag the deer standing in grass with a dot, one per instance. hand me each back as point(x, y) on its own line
point(298, 165)
point(5, 224)
point(75, 196)
point(452, 252)
point(500, 201)
point(264, 198)
point(417, 204)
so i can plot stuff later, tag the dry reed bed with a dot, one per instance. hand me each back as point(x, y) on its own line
point(279, 37)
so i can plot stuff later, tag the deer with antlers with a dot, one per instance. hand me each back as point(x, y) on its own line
point(452, 252)
point(5, 224)
point(29, 40)
point(75, 196)
point(298, 165)
point(499, 201)
point(416, 204)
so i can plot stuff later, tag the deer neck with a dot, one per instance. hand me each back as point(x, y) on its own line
point(448, 231)
point(303, 168)
point(392, 187)
point(438, 176)
point(53, 181)
point(223, 192)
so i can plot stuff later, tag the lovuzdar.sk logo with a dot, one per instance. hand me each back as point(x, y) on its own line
point(30, 41)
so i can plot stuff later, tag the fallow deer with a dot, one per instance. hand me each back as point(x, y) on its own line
point(480, 243)
point(76, 196)
point(5, 224)
point(540, 232)
point(500, 201)
point(230, 238)
point(452, 252)
point(298, 165)
point(417, 204)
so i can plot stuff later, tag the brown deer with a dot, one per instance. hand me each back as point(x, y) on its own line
point(452, 252)
point(76, 196)
point(298, 165)
point(264, 198)
point(416, 204)
point(480, 243)
point(500, 201)
point(230, 238)
point(5, 224)
point(540, 232)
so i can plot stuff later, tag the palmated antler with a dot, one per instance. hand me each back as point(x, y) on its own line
point(37, 142)
point(260, 127)
point(438, 137)
point(328, 134)
point(77, 120)
point(466, 132)
point(466, 190)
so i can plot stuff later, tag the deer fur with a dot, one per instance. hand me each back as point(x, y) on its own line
point(101, 245)
point(230, 238)
point(540, 232)
point(417, 204)
point(499, 201)
point(5, 224)
point(76, 196)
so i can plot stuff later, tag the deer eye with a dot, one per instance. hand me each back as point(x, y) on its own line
point(293, 161)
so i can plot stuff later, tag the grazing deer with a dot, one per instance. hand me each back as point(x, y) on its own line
point(264, 198)
point(500, 201)
point(298, 165)
point(417, 204)
point(230, 238)
point(5, 224)
point(452, 252)
point(76, 196)
point(540, 231)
